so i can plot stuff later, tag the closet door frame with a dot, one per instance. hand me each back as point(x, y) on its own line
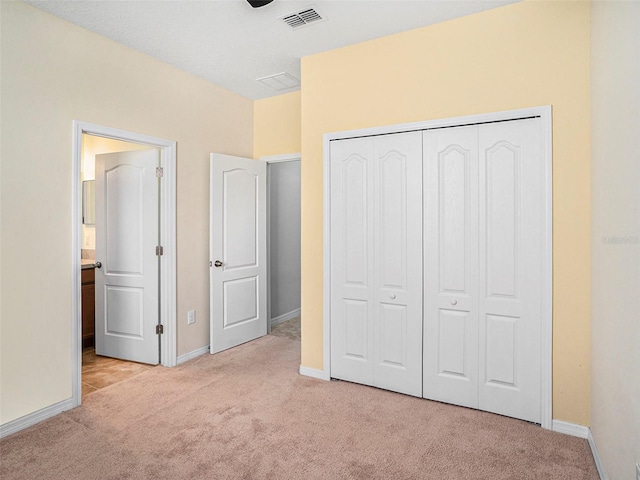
point(545, 115)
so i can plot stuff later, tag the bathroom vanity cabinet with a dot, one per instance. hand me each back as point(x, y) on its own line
point(88, 306)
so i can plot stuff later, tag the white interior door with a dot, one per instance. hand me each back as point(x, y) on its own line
point(511, 246)
point(451, 265)
point(238, 247)
point(352, 260)
point(484, 204)
point(126, 239)
point(376, 261)
point(397, 251)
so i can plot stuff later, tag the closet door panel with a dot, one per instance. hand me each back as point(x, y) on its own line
point(356, 329)
point(511, 213)
point(398, 259)
point(450, 371)
point(452, 336)
point(393, 336)
point(352, 264)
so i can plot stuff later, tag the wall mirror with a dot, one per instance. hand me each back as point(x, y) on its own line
point(88, 202)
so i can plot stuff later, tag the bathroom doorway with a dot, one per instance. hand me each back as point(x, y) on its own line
point(135, 323)
point(103, 360)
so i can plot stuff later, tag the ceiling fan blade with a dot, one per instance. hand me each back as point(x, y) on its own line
point(259, 3)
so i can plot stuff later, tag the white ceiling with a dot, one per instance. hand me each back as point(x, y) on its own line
point(231, 44)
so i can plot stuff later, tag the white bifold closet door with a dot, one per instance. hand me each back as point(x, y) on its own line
point(376, 261)
point(483, 233)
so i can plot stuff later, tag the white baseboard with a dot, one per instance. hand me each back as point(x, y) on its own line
point(285, 317)
point(572, 429)
point(314, 372)
point(193, 354)
point(36, 417)
point(581, 431)
point(596, 457)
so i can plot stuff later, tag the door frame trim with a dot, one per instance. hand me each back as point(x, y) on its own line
point(545, 114)
point(168, 234)
point(288, 157)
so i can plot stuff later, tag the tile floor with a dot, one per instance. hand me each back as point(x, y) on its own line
point(99, 372)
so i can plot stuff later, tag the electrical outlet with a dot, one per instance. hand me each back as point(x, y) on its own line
point(191, 317)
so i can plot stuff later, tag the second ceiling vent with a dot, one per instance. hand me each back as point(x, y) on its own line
point(302, 18)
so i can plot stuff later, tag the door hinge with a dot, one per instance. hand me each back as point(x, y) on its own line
point(159, 251)
point(159, 171)
point(159, 329)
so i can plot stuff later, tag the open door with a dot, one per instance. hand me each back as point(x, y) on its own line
point(127, 267)
point(238, 250)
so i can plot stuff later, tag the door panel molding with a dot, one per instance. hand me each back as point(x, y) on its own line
point(545, 114)
point(167, 234)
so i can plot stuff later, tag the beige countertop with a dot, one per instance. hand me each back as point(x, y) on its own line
point(87, 263)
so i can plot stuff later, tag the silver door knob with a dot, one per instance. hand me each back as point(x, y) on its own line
point(98, 264)
point(393, 295)
point(217, 263)
point(454, 302)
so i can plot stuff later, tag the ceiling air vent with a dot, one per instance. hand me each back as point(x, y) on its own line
point(302, 18)
point(280, 81)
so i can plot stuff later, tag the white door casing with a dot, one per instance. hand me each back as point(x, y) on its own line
point(126, 238)
point(238, 246)
point(167, 153)
point(376, 306)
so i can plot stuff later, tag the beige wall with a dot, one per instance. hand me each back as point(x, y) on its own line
point(52, 73)
point(523, 55)
point(276, 122)
point(615, 184)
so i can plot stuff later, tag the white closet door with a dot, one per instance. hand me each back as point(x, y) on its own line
point(398, 262)
point(352, 261)
point(376, 261)
point(451, 265)
point(483, 267)
point(511, 242)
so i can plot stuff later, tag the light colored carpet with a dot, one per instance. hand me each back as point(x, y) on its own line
point(289, 329)
point(247, 413)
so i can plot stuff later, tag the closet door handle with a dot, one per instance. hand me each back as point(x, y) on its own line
point(218, 263)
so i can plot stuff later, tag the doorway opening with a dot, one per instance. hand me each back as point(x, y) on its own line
point(101, 366)
point(283, 245)
point(116, 300)
point(254, 247)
